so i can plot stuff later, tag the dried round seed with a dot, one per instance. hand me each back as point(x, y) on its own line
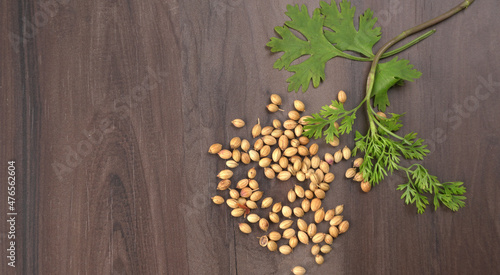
point(251, 173)
point(236, 155)
point(343, 227)
point(291, 195)
point(257, 195)
point(329, 158)
point(339, 209)
point(319, 259)
point(267, 130)
point(254, 155)
point(299, 270)
point(225, 154)
point(272, 108)
point(336, 220)
point(263, 224)
point(346, 152)
point(329, 177)
point(335, 142)
point(286, 211)
point(315, 204)
point(337, 157)
point(263, 241)
point(334, 231)
point(303, 238)
point(290, 151)
point(325, 249)
point(265, 151)
point(245, 145)
point(218, 199)
point(324, 167)
point(320, 194)
point(235, 142)
point(286, 224)
point(293, 115)
point(366, 186)
point(358, 177)
point(277, 207)
point(245, 158)
point(311, 230)
point(299, 105)
point(267, 202)
point(277, 133)
point(265, 162)
point(274, 236)
point(276, 99)
point(309, 194)
point(381, 115)
point(342, 96)
point(285, 249)
point(298, 212)
point(269, 140)
point(232, 203)
point(215, 148)
point(246, 192)
point(251, 205)
point(319, 237)
point(324, 186)
point(300, 176)
point(256, 129)
point(238, 123)
point(289, 133)
point(242, 183)
point(302, 225)
point(357, 162)
point(242, 201)
point(284, 175)
point(306, 205)
point(298, 130)
point(329, 215)
point(272, 246)
point(276, 167)
point(233, 193)
point(237, 212)
point(315, 249)
point(319, 215)
point(288, 233)
point(303, 120)
point(225, 174)
point(223, 185)
point(276, 124)
point(290, 124)
point(274, 218)
point(315, 161)
point(303, 151)
point(350, 173)
point(313, 149)
point(253, 218)
point(328, 239)
point(245, 228)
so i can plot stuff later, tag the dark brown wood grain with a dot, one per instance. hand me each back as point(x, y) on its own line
point(109, 107)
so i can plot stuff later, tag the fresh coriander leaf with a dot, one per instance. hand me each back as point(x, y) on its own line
point(319, 49)
point(344, 35)
point(393, 124)
point(389, 74)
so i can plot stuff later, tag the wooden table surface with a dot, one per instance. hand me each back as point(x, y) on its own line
point(108, 109)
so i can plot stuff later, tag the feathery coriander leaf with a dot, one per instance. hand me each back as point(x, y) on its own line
point(389, 74)
point(326, 118)
point(392, 124)
point(319, 49)
point(344, 35)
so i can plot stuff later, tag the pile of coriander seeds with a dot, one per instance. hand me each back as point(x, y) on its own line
point(283, 152)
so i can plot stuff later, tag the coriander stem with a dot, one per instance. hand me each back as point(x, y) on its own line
point(371, 76)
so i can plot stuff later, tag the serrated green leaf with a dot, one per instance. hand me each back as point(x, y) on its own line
point(317, 47)
point(344, 35)
point(389, 74)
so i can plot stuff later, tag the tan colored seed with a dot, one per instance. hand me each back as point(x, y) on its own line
point(276, 155)
point(302, 225)
point(253, 218)
point(298, 130)
point(236, 155)
point(263, 224)
point(303, 120)
point(346, 152)
point(342, 97)
point(225, 174)
point(339, 209)
point(259, 143)
point(276, 167)
point(334, 231)
point(246, 192)
point(289, 124)
point(242, 201)
point(325, 249)
point(284, 175)
point(315, 161)
point(299, 270)
point(238, 123)
point(299, 191)
point(306, 205)
point(319, 237)
point(257, 195)
point(242, 184)
point(251, 205)
point(350, 173)
point(324, 167)
point(300, 176)
point(319, 259)
point(225, 154)
point(245, 158)
point(253, 184)
point(237, 212)
point(272, 108)
point(265, 151)
point(288, 233)
point(276, 124)
point(315, 249)
point(337, 157)
point(235, 142)
point(267, 130)
point(358, 177)
point(245, 145)
point(315, 204)
point(265, 162)
point(274, 218)
point(277, 133)
point(357, 162)
point(329, 158)
point(304, 140)
point(329, 215)
point(218, 199)
point(313, 149)
point(289, 134)
point(291, 195)
point(269, 140)
point(286, 211)
point(293, 242)
point(329, 177)
point(283, 142)
point(303, 238)
point(276, 99)
point(298, 212)
point(366, 186)
point(343, 227)
point(295, 143)
point(272, 246)
point(274, 236)
point(303, 151)
point(328, 239)
point(335, 142)
point(324, 186)
point(269, 173)
point(299, 105)
point(215, 148)
point(277, 207)
point(285, 249)
point(309, 194)
point(235, 194)
point(320, 194)
point(223, 184)
point(286, 224)
point(232, 203)
point(245, 228)
point(256, 129)
point(336, 220)
point(267, 202)
point(382, 115)
point(293, 115)
point(254, 155)
point(319, 215)
point(312, 229)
